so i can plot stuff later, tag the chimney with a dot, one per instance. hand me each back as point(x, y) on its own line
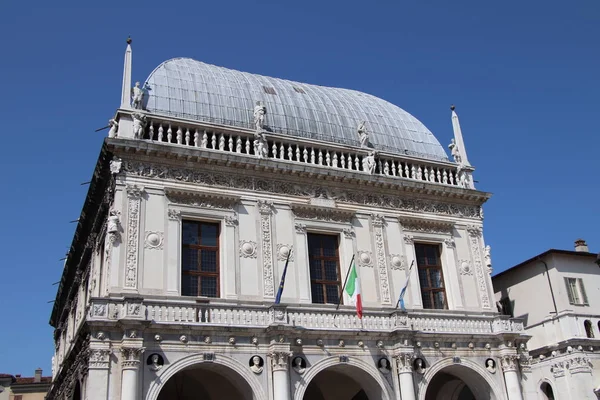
point(38, 375)
point(581, 245)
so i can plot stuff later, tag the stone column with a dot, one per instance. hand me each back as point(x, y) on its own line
point(130, 363)
point(405, 375)
point(98, 372)
point(510, 367)
point(281, 379)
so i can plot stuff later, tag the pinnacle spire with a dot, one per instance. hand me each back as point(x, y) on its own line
point(458, 138)
point(126, 89)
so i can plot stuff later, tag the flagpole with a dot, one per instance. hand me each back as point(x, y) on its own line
point(345, 281)
point(280, 290)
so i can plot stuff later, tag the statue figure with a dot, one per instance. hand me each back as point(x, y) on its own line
point(114, 126)
point(487, 256)
point(261, 148)
point(139, 123)
point(259, 115)
point(384, 366)
point(112, 227)
point(369, 163)
point(137, 96)
point(419, 366)
point(299, 365)
point(455, 152)
point(155, 362)
point(256, 365)
point(363, 135)
point(490, 365)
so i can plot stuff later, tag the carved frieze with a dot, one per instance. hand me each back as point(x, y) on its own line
point(266, 210)
point(304, 211)
point(426, 226)
point(475, 239)
point(202, 199)
point(340, 195)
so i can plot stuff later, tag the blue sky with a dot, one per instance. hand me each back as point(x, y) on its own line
point(523, 75)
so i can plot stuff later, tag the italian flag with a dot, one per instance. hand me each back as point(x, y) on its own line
point(353, 290)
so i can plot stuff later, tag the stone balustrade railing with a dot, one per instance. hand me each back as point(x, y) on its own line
point(308, 317)
point(295, 150)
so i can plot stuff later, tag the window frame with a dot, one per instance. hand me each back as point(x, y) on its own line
point(440, 266)
point(576, 291)
point(325, 282)
point(199, 274)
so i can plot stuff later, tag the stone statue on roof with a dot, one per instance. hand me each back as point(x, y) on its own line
point(259, 115)
point(369, 163)
point(139, 123)
point(137, 96)
point(455, 152)
point(363, 135)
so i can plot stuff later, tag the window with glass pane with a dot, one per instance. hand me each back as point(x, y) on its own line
point(200, 259)
point(431, 277)
point(324, 267)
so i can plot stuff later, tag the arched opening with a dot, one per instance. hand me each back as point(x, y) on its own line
point(77, 392)
point(343, 382)
point(457, 382)
point(589, 331)
point(547, 392)
point(207, 381)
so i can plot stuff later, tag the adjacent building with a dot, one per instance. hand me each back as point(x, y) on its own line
point(211, 181)
point(19, 387)
point(557, 295)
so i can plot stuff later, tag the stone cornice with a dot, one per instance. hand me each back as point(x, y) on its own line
point(201, 199)
point(305, 211)
point(149, 151)
point(241, 180)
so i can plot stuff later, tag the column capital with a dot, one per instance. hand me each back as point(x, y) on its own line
point(280, 360)
point(509, 362)
point(130, 357)
point(404, 361)
point(99, 358)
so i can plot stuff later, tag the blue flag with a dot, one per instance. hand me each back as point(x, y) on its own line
point(403, 291)
point(280, 290)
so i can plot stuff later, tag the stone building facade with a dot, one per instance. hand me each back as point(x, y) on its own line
point(562, 319)
point(208, 182)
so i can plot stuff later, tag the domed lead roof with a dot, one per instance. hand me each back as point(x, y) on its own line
point(187, 88)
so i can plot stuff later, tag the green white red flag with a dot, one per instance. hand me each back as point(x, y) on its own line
point(353, 290)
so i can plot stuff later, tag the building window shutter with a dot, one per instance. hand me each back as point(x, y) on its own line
point(569, 293)
point(584, 298)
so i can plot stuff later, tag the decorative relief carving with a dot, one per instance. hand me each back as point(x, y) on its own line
point(300, 228)
point(349, 233)
point(174, 215)
point(283, 250)
point(426, 226)
point(558, 369)
point(341, 195)
point(134, 193)
point(465, 267)
point(99, 310)
point(99, 358)
point(202, 200)
point(113, 226)
point(266, 209)
point(378, 222)
point(450, 243)
point(579, 364)
point(248, 249)
point(279, 360)
point(408, 239)
point(474, 237)
point(322, 214)
point(154, 240)
point(364, 259)
point(115, 165)
point(397, 261)
point(232, 220)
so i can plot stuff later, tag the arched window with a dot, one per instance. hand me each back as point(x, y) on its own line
point(589, 331)
point(547, 391)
